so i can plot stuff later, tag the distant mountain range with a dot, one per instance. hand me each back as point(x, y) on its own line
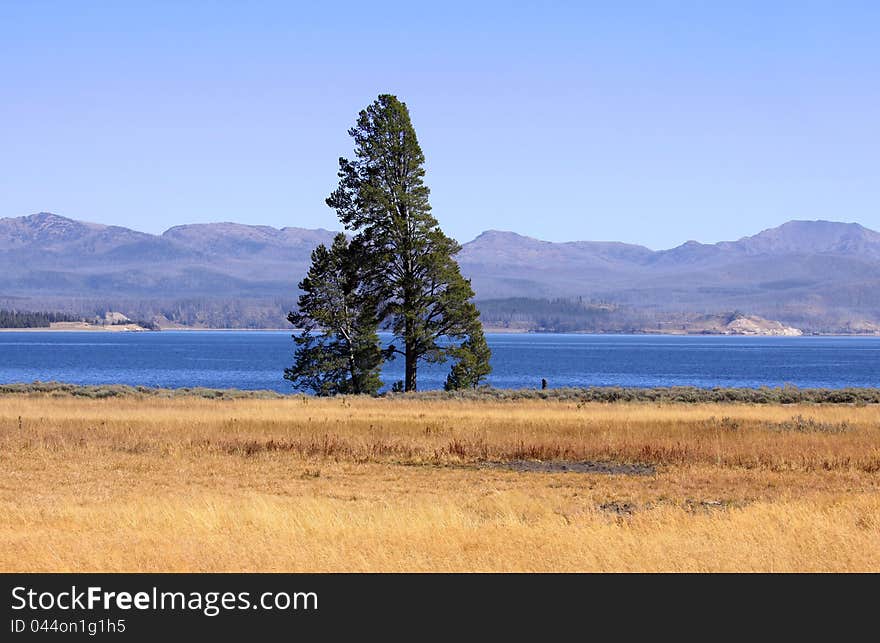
point(816, 275)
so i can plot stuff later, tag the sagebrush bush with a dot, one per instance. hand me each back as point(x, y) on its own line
point(608, 394)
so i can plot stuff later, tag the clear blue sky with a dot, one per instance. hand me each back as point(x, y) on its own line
point(648, 122)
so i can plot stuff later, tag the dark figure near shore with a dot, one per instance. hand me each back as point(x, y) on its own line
point(543, 383)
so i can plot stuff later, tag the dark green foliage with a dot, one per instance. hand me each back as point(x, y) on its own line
point(337, 346)
point(561, 315)
point(409, 264)
point(23, 319)
point(472, 365)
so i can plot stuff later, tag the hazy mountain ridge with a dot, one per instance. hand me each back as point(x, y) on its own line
point(818, 275)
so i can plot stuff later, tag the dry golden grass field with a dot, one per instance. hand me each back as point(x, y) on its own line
point(299, 484)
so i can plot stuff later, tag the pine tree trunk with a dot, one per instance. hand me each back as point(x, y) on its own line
point(409, 383)
point(352, 369)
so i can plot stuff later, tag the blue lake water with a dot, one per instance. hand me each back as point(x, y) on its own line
point(256, 360)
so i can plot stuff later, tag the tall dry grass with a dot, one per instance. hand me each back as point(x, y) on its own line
point(178, 484)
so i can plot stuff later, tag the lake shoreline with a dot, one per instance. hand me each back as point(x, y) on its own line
point(488, 330)
point(580, 394)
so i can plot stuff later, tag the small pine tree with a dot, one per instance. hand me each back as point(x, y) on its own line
point(338, 346)
point(472, 365)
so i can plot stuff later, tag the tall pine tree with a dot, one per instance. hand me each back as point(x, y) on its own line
point(409, 262)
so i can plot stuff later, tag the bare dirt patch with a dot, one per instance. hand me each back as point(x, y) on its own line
point(572, 466)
